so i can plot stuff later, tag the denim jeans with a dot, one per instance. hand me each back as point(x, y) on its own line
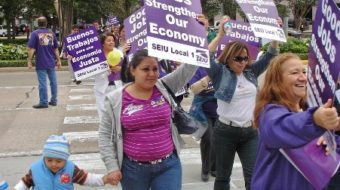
point(334, 184)
point(166, 175)
point(43, 85)
point(227, 141)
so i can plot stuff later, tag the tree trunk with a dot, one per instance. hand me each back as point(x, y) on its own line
point(230, 8)
point(13, 27)
point(64, 11)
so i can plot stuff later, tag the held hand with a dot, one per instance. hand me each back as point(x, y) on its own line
point(326, 116)
point(126, 48)
point(114, 177)
point(203, 20)
point(279, 22)
point(274, 44)
point(116, 69)
point(69, 57)
point(321, 142)
point(224, 19)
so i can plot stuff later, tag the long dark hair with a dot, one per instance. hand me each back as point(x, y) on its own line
point(137, 58)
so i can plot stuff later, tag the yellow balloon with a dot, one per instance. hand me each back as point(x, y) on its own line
point(113, 58)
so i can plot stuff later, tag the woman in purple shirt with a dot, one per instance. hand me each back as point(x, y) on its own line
point(283, 122)
point(138, 141)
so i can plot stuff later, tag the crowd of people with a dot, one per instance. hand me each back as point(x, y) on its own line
point(138, 141)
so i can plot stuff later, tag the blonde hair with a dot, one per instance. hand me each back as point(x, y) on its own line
point(273, 91)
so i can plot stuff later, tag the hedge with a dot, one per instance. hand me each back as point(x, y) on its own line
point(14, 41)
point(293, 45)
point(13, 52)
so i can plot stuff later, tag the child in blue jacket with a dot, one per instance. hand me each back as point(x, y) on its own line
point(55, 171)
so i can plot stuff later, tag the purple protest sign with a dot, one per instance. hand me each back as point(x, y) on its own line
point(313, 163)
point(262, 16)
point(112, 20)
point(174, 33)
point(242, 32)
point(323, 66)
point(88, 58)
point(136, 31)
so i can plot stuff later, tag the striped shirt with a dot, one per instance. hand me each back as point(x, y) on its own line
point(146, 127)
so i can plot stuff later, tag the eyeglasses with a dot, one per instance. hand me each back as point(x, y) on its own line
point(240, 59)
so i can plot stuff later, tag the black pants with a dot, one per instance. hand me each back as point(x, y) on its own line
point(334, 184)
point(207, 150)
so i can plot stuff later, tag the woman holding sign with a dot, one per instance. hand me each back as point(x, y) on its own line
point(137, 140)
point(234, 78)
point(108, 81)
point(285, 123)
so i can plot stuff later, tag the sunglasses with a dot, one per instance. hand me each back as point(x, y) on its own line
point(240, 59)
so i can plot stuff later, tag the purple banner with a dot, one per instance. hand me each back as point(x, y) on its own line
point(112, 20)
point(88, 58)
point(262, 16)
point(175, 33)
point(136, 31)
point(313, 163)
point(242, 32)
point(323, 66)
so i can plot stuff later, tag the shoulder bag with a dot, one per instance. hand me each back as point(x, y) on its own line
point(185, 123)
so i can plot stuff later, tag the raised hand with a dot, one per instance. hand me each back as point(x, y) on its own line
point(326, 116)
point(202, 19)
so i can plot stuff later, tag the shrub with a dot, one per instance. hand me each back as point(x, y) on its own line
point(14, 41)
point(13, 52)
point(293, 45)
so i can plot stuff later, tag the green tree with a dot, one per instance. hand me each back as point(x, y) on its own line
point(230, 7)
point(64, 10)
point(90, 10)
point(210, 8)
point(299, 9)
point(11, 10)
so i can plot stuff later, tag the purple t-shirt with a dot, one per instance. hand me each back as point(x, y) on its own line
point(44, 42)
point(146, 127)
point(115, 75)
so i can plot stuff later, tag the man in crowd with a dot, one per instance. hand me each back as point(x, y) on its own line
point(43, 43)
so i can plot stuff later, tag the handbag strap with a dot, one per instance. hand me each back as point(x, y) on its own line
point(172, 95)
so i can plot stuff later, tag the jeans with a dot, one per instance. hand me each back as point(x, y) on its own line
point(166, 175)
point(334, 184)
point(43, 98)
point(227, 141)
point(207, 149)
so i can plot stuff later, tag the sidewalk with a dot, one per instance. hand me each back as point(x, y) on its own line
point(25, 69)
